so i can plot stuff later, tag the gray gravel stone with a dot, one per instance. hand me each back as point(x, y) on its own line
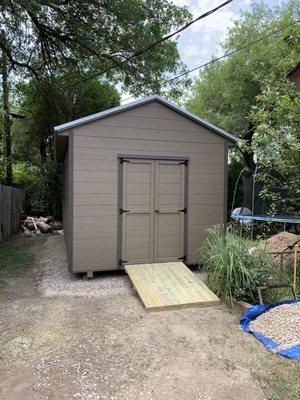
point(281, 324)
point(57, 281)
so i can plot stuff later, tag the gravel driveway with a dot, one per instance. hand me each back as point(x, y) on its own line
point(76, 339)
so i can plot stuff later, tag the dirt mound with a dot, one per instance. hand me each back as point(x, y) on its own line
point(280, 242)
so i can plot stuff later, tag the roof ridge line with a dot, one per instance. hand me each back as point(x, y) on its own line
point(136, 103)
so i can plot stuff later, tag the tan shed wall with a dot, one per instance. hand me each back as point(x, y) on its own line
point(67, 201)
point(151, 129)
point(66, 194)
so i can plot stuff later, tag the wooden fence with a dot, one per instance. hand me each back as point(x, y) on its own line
point(11, 203)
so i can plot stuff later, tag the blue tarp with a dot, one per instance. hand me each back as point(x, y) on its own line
point(252, 313)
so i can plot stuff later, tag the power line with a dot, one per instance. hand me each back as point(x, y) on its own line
point(156, 43)
point(149, 47)
point(227, 54)
point(234, 51)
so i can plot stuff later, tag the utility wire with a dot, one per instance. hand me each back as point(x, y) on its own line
point(234, 51)
point(227, 54)
point(156, 43)
point(149, 47)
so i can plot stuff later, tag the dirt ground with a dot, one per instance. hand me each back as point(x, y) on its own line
point(65, 338)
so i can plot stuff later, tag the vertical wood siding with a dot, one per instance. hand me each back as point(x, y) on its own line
point(11, 204)
point(151, 129)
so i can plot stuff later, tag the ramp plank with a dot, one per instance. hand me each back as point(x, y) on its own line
point(168, 285)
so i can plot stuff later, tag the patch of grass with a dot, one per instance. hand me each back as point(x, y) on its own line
point(16, 256)
point(282, 384)
point(229, 365)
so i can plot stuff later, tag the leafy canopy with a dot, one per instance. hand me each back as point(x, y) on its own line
point(249, 95)
point(92, 36)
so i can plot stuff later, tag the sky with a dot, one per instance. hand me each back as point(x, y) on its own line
point(201, 41)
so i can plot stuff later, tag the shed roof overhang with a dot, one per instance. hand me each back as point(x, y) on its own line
point(94, 117)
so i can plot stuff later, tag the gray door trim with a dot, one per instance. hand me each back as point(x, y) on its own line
point(120, 201)
point(127, 157)
point(225, 185)
point(152, 157)
point(186, 206)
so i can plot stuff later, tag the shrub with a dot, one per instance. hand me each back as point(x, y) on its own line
point(233, 269)
point(44, 195)
point(24, 175)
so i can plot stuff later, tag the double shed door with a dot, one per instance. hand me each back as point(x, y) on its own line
point(153, 210)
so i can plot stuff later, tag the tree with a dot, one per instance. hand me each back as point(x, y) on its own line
point(6, 121)
point(248, 94)
point(226, 92)
point(35, 168)
point(47, 108)
point(43, 38)
point(277, 143)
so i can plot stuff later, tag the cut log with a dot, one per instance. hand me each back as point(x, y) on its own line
point(43, 227)
point(49, 218)
point(29, 225)
point(26, 231)
point(57, 226)
point(43, 219)
point(34, 223)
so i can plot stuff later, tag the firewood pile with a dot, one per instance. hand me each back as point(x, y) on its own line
point(33, 225)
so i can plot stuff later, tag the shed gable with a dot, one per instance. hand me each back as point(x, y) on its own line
point(137, 104)
point(150, 121)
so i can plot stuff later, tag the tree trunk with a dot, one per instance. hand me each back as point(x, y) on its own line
point(248, 154)
point(43, 151)
point(51, 147)
point(6, 121)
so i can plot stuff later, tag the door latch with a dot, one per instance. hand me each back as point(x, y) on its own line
point(184, 210)
point(123, 211)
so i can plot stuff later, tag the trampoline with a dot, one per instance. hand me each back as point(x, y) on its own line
point(267, 218)
point(284, 219)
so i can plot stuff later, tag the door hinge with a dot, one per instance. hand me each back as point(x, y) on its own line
point(182, 258)
point(122, 160)
point(184, 210)
point(123, 211)
point(185, 162)
point(122, 262)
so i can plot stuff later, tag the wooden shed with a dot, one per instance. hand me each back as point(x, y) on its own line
point(142, 182)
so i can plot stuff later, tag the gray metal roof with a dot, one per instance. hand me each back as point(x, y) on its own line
point(115, 110)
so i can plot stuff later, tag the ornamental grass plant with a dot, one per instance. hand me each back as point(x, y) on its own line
point(235, 270)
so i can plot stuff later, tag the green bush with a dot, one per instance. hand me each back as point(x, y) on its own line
point(44, 195)
point(42, 185)
point(24, 175)
point(235, 270)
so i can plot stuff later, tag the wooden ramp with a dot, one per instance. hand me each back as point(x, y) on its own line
point(163, 286)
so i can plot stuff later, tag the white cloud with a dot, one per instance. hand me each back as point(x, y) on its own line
point(201, 41)
point(213, 29)
point(191, 50)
